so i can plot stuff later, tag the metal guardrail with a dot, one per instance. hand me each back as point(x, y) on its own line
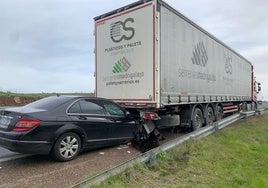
point(150, 156)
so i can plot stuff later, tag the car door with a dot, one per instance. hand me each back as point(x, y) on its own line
point(120, 128)
point(90, 116)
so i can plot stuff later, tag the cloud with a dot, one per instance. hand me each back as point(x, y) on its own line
point(258, 56)
point(33, 80)
point(48, 46)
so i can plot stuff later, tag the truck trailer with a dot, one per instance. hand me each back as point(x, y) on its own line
point(156, 62)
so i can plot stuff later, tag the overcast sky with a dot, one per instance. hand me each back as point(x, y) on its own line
point(47, 46)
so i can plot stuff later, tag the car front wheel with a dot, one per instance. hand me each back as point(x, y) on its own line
point(67, 147)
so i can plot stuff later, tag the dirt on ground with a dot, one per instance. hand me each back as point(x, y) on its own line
point(16, 101)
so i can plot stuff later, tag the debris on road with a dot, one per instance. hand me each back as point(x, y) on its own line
point(122, 147)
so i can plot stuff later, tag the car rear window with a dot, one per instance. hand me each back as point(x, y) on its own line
point(49, 103)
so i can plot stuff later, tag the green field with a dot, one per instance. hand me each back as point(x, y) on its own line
point(236, 156)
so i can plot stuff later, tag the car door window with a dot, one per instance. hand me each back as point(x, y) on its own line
point(87, 106)
point(75, 108)
point(113, 109)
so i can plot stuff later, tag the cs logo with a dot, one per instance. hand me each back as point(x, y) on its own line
point(120, 30)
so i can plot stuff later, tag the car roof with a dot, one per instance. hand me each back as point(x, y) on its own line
point(80, 96)
point(52, 102)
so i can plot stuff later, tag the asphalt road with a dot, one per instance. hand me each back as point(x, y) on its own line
point(6, 155)
point(41, 171)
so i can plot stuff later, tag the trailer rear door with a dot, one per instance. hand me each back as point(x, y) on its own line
point(125, 54)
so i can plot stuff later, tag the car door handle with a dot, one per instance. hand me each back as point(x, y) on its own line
point(82, 118)
point(116, 120)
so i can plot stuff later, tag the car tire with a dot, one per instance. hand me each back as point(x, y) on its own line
point(66, 147)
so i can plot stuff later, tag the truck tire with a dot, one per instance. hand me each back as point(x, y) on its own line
point(197, 119)
point(244, 107)
point(219, 113)
point(66, 147)
point(209, 117)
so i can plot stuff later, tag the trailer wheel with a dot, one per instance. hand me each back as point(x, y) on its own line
point(254, 106)
point(219, 113)
point(244, 107)
point(209, 116)
point(197, 119)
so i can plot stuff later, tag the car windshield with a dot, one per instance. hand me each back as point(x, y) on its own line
point(49, 103)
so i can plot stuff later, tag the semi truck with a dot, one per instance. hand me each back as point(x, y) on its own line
point(157, 63)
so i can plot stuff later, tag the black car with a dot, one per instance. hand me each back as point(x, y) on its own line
point(63, 126)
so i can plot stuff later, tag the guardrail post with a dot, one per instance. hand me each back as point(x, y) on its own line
point(245, 117)
point(258, 112)
point(152, 158)
point(216, 126)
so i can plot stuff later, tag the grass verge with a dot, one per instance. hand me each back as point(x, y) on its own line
point(236, 156)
